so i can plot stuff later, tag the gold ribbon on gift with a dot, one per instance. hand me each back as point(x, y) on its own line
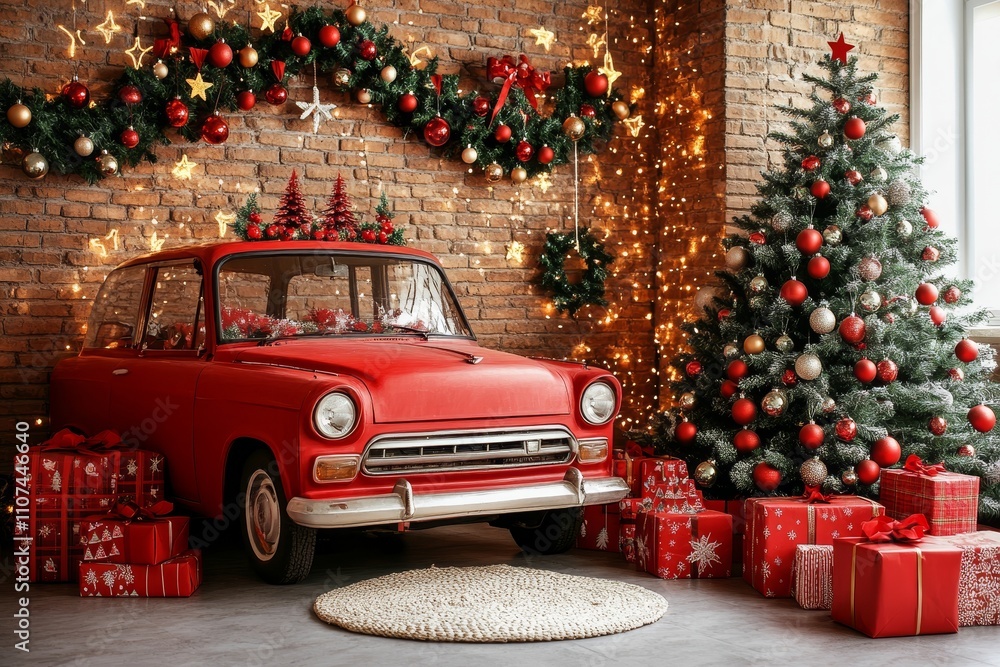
point(920, 584)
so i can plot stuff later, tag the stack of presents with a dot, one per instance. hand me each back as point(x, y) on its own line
point(98, 517)
point(911, 564)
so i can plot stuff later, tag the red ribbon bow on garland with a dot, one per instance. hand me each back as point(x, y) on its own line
point(506, 71)
point(884, 529)
point(915, 464)
point(813, 494)
point(130, 511)
point(163, 46)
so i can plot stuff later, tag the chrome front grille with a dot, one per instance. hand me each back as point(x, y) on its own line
point(468, 450)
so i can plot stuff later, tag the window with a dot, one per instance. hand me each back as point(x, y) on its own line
point(116, 309)
point(174, 321)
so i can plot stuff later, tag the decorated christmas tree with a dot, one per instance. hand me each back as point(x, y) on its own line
point(383, 230)
point(249, 224)
point(338, 219)
point(835, 346)
point(292, 219)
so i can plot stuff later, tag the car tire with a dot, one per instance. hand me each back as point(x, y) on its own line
point(280, 551)
point(547, 533)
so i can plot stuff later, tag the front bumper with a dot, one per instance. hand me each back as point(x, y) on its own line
point(403, 505)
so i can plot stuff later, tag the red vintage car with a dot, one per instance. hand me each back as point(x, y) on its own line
point(324, 385)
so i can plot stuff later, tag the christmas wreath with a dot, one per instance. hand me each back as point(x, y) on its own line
point(566, 295)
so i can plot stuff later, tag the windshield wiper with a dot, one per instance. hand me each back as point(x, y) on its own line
point(403, 327)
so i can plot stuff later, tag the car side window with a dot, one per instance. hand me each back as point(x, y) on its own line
point(176, 320)
point(115, 312)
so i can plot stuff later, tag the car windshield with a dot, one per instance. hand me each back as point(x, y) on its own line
point(289, 294)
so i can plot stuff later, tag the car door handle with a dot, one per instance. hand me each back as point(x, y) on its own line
point(120, 371)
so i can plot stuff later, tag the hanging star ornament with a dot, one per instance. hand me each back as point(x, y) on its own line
point(318, 110)
point(515, 251)
point(595, 42)
point(198, 87)
point(268, 18)
point(108, 28)
point(634, 125)
point(542, 182)
point(414, 57)
point(137, 53)
point(840, 49)
point(182, 168)
point(224, 220)
point(593, 14)
point(608, 70)
point(543, 37)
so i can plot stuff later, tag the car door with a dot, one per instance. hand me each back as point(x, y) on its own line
point(152, 393)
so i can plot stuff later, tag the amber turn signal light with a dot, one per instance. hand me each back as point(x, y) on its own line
point(336, 468)
point(592, 451)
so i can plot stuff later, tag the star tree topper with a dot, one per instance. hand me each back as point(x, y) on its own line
point(840, 49)
point(198, 87)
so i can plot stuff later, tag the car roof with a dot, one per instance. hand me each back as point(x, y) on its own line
point(211, 252)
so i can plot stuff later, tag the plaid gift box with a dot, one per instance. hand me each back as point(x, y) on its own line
point(949, 500)
point(812, 576)
point(979, 581)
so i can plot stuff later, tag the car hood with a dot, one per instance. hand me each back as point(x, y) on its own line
point(412, 381)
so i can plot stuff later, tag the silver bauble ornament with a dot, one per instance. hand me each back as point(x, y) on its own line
point(890, 144)
point(878, 175)
point(35, 165)
point(870, 301)
point(899, 192)
point(107, 163)
point(730, 350)
point(686, 400)
point(160, 70)
point(781, 221)
point(849, 477)
point(774, 403)
point(518, 174)
point(364, 96)
point(833, 235)
point(469, 155)
point(784, 343)
point(388, 74)
point(705, 474)
point(813, 472)
point(825, 140)
point(822, 320)
point(904, 228)
point(808, 366)
point(83, 146)
point(737, 258)
point(869, 268)
point(758, 284)
point(828, 405)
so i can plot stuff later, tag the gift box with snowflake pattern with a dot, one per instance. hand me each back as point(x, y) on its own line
point(684, 546)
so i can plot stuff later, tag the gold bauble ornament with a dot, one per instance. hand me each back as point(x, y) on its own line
point(356, 15)
point(574, 128)
point(519, 174)
point(388, 74)
point(784, 343)
point(758, 284)
point(469, 155)
point(201, 26)
point(825, 140)
point(160, 70)
point(35, 165)
point(878, 204)
point(83, 146)
point(342, 77)
point(364, 96)
point(833, 235)
point(730, 351)
point(753, 344)
point(107, 163)
point(849, 477)
point(774, 403)
point(828, 405)
point(620, 109)
point(870, 301)
point(18, 115)
point(248, 56)
point(737, 258)
point(813, 472)
point(494, 173)
point(705, 474)
point(686, 400)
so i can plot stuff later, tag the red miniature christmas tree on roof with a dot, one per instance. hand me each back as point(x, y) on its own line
point(292, 218)
point(338, 218)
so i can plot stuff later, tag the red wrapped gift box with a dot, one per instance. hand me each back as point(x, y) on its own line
point(142, 540)
point(684, 546)
point(896, 589)
point(775, 526)
point(599, 529)
point(668, 474)
point(178, 577)
point(949, 500)
point(979, 583)
point(812, 577)
point(735, 509)
point(626, 465)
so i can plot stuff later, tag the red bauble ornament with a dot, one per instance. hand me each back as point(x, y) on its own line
point(437, 131)
point(852, 329)
point(809, 241)
point(502, 133)
point(865, 370)
point(757, 238)
point(215, 130)
point(952, 294)
point(301, 46)
point(77, 94)
point(368, 235)
point(846, 429)
point(865, 213)
point(253, 232)
point(728, 388)
point(956, 374)
point(129, 137)
point(966, 450)
point(255, 218)
point(723, 313)
point(888, 371)
point(587, 111)
point(546, 155)
point(407, 103)
point(966, 350)
point(177, 113)
point(746, 440)
point(853, 176)
point(841, 105)
point(744, 411)
point(794, 292)
point(868, 98)
point(383, 238)
point(811, 436)
point(130, 95)
point(789, 378)
point(524, 151)
point(810, 163)
point(480, 106)
point(819, 267)
point(854, 128)
point(736, 369)
point(930, 217)
point(926, 294)
point(220, 54)
point(246, 100)
point(938, 315)
point(367, 49)
point(693, 369)
point(329, 36)
point(595, 83)
point(820, 189)
point(886, 452)
point(938, 425)
point(982, 418)
point(766, 476)
point(868, 471)
point(276, 94)
point(273, 231)
point(686, 433)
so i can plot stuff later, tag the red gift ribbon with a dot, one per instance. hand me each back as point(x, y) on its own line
point(634, 450)
point(915, 464)
point(163, 46)
point(527, 78)
point(130, 511)
point(278, 68)
point(813, 494)
point(198, 56)
point(884, 529)
point(62, 440)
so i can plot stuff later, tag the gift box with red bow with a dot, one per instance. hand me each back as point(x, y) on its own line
point(684, 546)
point(949, 500)
point(979, 582)
point(812, 576)
point(892, 582)
point(178, 577)
point(131, 534)
point(776, 526)
point(600, 528)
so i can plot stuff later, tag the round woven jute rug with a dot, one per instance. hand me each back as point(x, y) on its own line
point(498, 603)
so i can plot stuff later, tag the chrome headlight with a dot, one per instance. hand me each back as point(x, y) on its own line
point(598, 403)
point(335, 415)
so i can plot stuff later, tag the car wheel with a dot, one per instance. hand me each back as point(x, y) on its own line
point(280, 551)
point(545, 533)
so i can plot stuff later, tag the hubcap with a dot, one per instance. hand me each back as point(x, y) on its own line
point(263, 515)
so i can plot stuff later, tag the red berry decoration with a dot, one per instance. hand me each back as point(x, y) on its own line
point(852, 329)
point(952, 294)
point(723, 313)
point(77, 94)
point(407, 103)
point(819, 267)
point(587, 111)
point(809, 241)
point(177, 113)
point(693, 369)
point(746, 441)
point(129, 137)
point(246, 100)
point(865, 213)
point(853, 176)
point(888, 371)
point(276, 94)
point(736, 369)
point(744, 411)
point(728, 388)
point(766, 476)
point(846, 429)
point(938, 425)
point(686, 432)
point(502, 133)
point(220, 55)
point(841, 105)
point(810, 163)
point(367, 49)
point(301, 46)
point(982, 418)
point(215, 130)
point(273, 231)
point(329, 36)
point(811, 436)
point(966, 350)
point(383, 238)
point(938, 315)
point(794, 292)
point(930, 217)
point(758, 238)
point(854, 128)
point(437, 131)
point(595, 83)
point(524, 151)
point(480, 106)
point(926, 294)
point(255, 218)
point(789, 378)
point(546, 155)
point(886, 452)
point(865, 370)
point(868, 471)
point(130, 95)
point(820, 189)
point(253, 232)
point(368, 235)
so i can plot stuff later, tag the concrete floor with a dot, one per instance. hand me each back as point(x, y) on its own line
point(236, 620)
